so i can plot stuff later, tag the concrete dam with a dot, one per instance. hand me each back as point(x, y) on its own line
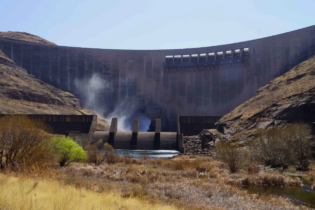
point(165, 84)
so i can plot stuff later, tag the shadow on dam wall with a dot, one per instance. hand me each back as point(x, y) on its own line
point(208, 81)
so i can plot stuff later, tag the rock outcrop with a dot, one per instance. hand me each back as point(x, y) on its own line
point(18, 85)
point(194, 145)
point(22, 93)
point(203, 144)
point(286, 99)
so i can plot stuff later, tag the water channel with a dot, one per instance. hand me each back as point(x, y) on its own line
point(299, 195)
point(138, 154)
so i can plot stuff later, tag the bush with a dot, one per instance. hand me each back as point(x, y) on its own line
point(270, 148)
point(110, 154)
point(230, 154)
point(300, 145)
point(22, 142)
point(284, 146)
point(67, 150)
point(95, 154)
point(99, 153)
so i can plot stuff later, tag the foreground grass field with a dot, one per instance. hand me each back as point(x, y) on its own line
point(24, 193)
point(184, 182)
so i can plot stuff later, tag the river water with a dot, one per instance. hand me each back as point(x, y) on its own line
point(300, 195)
point(138, 154)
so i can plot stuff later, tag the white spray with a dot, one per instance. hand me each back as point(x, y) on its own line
point(127, 108)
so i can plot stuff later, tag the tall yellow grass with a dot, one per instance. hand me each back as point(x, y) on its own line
point(18, 193)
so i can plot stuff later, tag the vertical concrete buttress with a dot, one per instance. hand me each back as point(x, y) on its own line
point(157, 135)
point(112, 131)
point(179, 137)
point(134, 136)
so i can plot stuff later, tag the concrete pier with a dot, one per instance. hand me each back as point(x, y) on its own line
point(157, 135)
point(139, 140)
point(145, 140)
point(112, 131)
point(134, 136)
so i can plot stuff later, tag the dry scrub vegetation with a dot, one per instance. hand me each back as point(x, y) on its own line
point(22, 143)
point(24, 193)
point(32, 179)
point(186, 182)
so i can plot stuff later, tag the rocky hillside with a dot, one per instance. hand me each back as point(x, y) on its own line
point(286, 99)
point(23, 89)
point(25, 37)
point(22, 93)
point(5, 59)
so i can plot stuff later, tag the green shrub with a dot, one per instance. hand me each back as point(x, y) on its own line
point(67, 150)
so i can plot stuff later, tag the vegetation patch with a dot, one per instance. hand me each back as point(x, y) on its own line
point(25, 193)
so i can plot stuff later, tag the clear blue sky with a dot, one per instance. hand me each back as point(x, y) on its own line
point(154, 24)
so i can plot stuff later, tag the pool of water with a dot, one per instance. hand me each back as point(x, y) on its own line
point(299, 195)
point(138, 154)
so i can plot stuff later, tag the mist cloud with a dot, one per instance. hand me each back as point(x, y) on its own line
point(93, 90)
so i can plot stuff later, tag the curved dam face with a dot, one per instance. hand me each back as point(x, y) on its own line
point(208, 81)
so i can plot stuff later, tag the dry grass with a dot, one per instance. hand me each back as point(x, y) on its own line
point(19, 193)
point(22, 93)
point(26, 37)
point(270, 178)
point(6, 59)
point(185, 182)
point(188, 182)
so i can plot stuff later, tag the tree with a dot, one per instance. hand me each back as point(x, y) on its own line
point(67, 150)
point(231, 154)
point(283, 146)
point(22, 142)
point(271, 148)
point(300, 145)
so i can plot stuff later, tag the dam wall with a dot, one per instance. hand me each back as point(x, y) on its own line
point(207, 81)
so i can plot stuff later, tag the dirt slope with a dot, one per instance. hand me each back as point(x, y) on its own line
point(18, 85)
point(4, 58)
point(22, 93)
point(288, 98)
point(26, 37)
